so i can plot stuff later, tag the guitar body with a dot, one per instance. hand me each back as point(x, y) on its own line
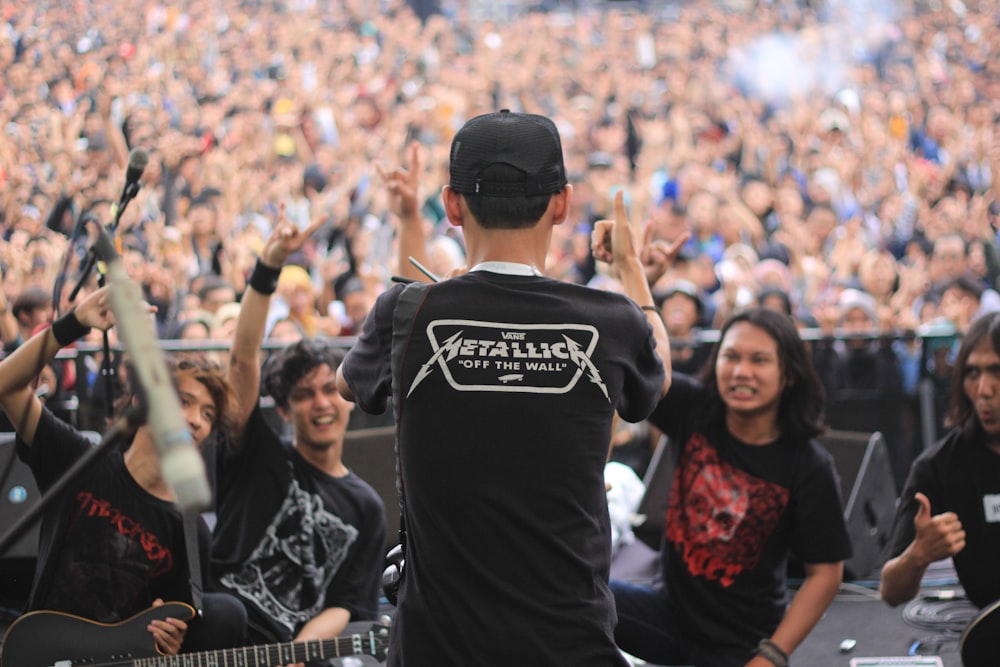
point(45, 638)
point(980, 643)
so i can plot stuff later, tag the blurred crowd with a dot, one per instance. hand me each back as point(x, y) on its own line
point(834, 159)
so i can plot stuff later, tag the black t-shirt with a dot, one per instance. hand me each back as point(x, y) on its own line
point(736, 512)
point(508, 389)
point(961, 475)
point(108, 548)
point(291, 540)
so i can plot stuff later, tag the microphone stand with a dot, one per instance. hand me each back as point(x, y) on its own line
point(108, 372)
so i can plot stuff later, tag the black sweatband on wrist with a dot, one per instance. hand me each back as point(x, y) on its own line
point(68, 329)
point(264, 278)
point(772, 652)
point(652, 309)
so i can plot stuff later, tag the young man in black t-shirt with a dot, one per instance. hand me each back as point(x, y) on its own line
point(300, 538)
point(505, 389)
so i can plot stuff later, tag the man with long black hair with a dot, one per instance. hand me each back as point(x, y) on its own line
point(950, 504)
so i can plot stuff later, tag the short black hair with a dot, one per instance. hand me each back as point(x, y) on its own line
point(285, 367)
point(506, 212)
point(29, 299)
point(966, 285)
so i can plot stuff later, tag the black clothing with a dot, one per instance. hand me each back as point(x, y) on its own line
point(505, 402)
point(110, 548)
point(291, 540)
point(961, 475)
point(736, 512)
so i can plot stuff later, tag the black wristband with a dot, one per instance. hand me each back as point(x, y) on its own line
point(264, 278)
point(652, 309)
point(68, 329)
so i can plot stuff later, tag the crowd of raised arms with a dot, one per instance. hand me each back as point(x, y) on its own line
point(867, 167)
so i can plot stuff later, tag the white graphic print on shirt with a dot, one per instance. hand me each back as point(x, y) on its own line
point(287, 574)
point(520, 358)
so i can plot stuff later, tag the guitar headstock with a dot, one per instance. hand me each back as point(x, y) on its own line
point(378, 636)
point(369, 638)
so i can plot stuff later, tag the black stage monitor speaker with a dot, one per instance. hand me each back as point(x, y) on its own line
point(20, 492)
point(869, 495)
point(17, 562)
point(651, 515)
point(371, 454)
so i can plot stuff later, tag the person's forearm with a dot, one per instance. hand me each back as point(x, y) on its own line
point(169, 203)
point(412, 244)
point(8, 326)
point(23, 365)
point(633, 280)
point(245, 354)
point(901, 577)
point(327, 624)
point(814, 597)
point(17, 372)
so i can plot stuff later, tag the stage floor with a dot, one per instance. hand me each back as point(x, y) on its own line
point(881, 631)
point(929, 626)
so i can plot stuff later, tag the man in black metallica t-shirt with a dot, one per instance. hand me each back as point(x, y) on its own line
point(505, 392)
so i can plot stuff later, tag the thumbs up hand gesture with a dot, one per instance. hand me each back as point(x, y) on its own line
point(937, 536)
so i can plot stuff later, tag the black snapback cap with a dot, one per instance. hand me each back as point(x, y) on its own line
point(527, 143)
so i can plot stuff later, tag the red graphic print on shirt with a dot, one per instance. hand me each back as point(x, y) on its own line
point(719, 517)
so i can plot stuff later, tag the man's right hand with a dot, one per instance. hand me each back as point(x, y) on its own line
point(403, 184)
point(937, 536)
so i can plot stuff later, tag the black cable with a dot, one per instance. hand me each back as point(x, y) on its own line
point(946, 617)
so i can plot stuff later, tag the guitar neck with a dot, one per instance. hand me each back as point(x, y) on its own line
point(49, 638)
point(273, 655)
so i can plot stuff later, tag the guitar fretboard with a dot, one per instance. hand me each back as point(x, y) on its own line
point(273, 655)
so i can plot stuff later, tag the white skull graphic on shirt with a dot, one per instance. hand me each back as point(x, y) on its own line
point(288, 573)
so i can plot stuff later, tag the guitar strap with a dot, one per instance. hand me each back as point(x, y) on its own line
point(403, 320)
point(193, 558)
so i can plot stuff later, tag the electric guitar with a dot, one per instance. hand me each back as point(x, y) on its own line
point(980, 642)
point(54, 639)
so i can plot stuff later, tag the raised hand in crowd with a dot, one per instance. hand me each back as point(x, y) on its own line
point(403, 186)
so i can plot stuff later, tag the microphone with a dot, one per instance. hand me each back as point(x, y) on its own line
point(182, 465)
point(138, 158)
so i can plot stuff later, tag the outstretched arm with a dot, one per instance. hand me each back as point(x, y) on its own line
point(245, 355)
point(19, 370)
point(8, 325)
